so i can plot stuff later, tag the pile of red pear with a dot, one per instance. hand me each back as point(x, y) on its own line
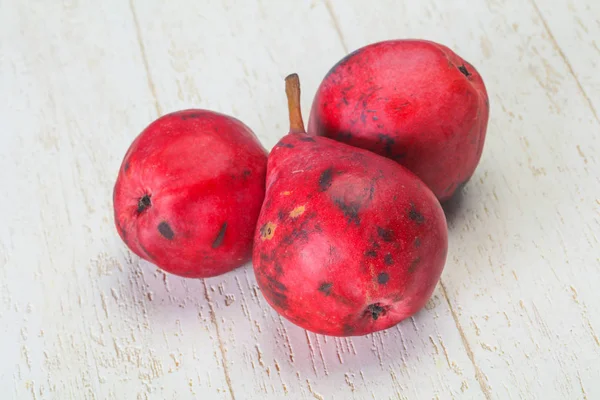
point(343, 221)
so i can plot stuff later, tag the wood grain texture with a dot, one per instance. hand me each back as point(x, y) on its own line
point(573, 28)
point(516, 314)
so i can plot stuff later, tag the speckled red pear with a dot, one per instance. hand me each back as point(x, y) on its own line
point(347, 242)
point(189, 192)
point(413, 101)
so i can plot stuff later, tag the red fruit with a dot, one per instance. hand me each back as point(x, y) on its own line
point(347, 242)
point(189, 192)
point(413, 101)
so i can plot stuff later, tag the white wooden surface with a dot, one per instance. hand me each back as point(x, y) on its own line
point(516, 315)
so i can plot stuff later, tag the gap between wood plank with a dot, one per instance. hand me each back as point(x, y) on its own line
point(336, 24)
point(213, 319)
point(481, 379)
point(564, 58)
point(138, 32)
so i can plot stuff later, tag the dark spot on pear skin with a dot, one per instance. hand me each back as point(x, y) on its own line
point(383, 278)
point(298, 320)
point(414, 264)
point(388, 260)
point(348, 329)
point(281, 215)
point(301, 232)
point(344, 136)
point(464, 71)
point(372, 190)
point(220, 236)
point(371, 254)
point(345, 94)
point(286, 145)
point(307, 139)
point(332, 250)
point(368, 95)
point(246, 173)
point(325, 179)
point(278, 268)
point(415, 215)
point(399, 107)
point(388, 142)
point(267, 205)
point(418, 242)
point(346, 89)
point(165, 230)
point(325, 288)
point(276, 284)
point(297, 233)
point(350, 210)
point(278, 298)
point(386, 234)
point(265, 230)
point(375, 311)
point(191, 115)
point(126, 166)
point(397, 298)
point(144, 203)
point(264, 257)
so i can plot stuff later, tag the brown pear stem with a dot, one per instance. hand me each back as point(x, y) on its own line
point(292, 91)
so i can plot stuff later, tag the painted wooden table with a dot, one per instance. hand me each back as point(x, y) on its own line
point(515, 316)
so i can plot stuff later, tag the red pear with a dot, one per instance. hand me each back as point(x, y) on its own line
point(189, 192)
point(347, 242)
point(413, 101)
